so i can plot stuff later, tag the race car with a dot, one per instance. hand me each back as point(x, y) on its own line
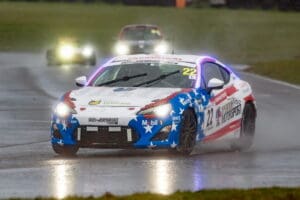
point(141, 38)
point(155, 101)
point(69, 51)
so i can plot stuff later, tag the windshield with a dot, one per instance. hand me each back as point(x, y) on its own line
point(141, 33)
point(146, 75)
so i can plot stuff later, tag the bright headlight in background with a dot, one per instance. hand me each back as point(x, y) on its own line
point(121, 49)
point(66, 51)
point(62, 110)
point(87, 51)
point(161, 48)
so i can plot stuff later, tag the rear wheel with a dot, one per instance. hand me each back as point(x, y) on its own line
point(245, 140)
point(69, 150)
point(187, 138)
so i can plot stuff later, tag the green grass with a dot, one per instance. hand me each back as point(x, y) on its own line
point(287, 70)
point(229, 194)
point(236, 36)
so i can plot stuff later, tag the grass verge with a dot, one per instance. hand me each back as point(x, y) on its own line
point(236, 36)
point(270, 39)
point(225, 194)
point(286, 70)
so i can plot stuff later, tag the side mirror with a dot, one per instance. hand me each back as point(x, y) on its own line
point(81, 81)
point(215, 83)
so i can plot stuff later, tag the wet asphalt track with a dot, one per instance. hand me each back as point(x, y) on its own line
point(29, 168)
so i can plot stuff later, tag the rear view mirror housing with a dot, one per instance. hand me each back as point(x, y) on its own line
point(81, 81)
point(215, 84)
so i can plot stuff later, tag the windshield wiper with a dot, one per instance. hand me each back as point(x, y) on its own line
point(124, 78)
point(163, 76)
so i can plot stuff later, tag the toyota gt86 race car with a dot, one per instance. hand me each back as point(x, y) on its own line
point(152, 101)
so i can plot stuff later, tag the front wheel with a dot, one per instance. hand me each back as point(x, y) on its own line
point(69, 150)
point(245, 140)
point(187, 138)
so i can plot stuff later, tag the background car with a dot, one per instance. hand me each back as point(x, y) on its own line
point(141, 38)
point(70, 51)
point(150, 101)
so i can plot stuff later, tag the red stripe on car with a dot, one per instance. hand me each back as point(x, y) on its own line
point(219, 98)
point(225, 130)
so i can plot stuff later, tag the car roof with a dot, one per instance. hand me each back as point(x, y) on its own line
point(140, 25)
point(191, 59)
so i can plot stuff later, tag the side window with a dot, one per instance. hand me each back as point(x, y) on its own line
point(225, 74)
point(211, 70)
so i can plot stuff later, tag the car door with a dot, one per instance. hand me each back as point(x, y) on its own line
point(213, 118)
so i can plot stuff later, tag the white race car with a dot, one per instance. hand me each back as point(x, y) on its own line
point(155, 101)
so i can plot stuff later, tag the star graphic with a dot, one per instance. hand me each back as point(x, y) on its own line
point(148, 128)
point(199, 120)
point(173, 145)
point(195, 92)
point(172, 112)
point(135, 118)
point(174, 127)
point(64, 124)
point(181, 100)
point(151, 145)
point(181, 111)
point(189, 96)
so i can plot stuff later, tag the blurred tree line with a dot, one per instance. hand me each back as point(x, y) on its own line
point(234, 4)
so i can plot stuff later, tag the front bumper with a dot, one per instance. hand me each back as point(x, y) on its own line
point(138, 133)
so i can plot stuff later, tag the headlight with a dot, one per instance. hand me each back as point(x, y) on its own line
point(87, 51)
point(63, 110)
point(161, 48)
point(161, 111)
point(66, 51)
point(122, 49)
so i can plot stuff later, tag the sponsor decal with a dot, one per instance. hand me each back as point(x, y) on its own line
point(114, 103)
point(228, 111)
point(108, 103)
point(124, 89)
point(151, 122)
point(112, 121)
point(94, 102)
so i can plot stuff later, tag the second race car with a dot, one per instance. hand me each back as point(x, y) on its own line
point(152, 101)
point(141, 38)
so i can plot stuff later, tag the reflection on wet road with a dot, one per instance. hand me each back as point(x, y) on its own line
point(29, 168)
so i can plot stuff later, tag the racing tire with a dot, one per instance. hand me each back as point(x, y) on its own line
point(187, 137)
point(247, 132)
point(70, 150)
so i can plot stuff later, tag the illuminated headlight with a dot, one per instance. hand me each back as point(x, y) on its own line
point(161, 48)
point(63, 110)
point(87, 51)
point(122, 49)
point(161, 111)
point(66, 51)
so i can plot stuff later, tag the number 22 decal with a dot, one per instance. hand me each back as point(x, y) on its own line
point(187, 71)
point(210, 113)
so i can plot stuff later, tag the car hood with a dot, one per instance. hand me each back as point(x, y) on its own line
point(141, 42)
point(118, 96)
